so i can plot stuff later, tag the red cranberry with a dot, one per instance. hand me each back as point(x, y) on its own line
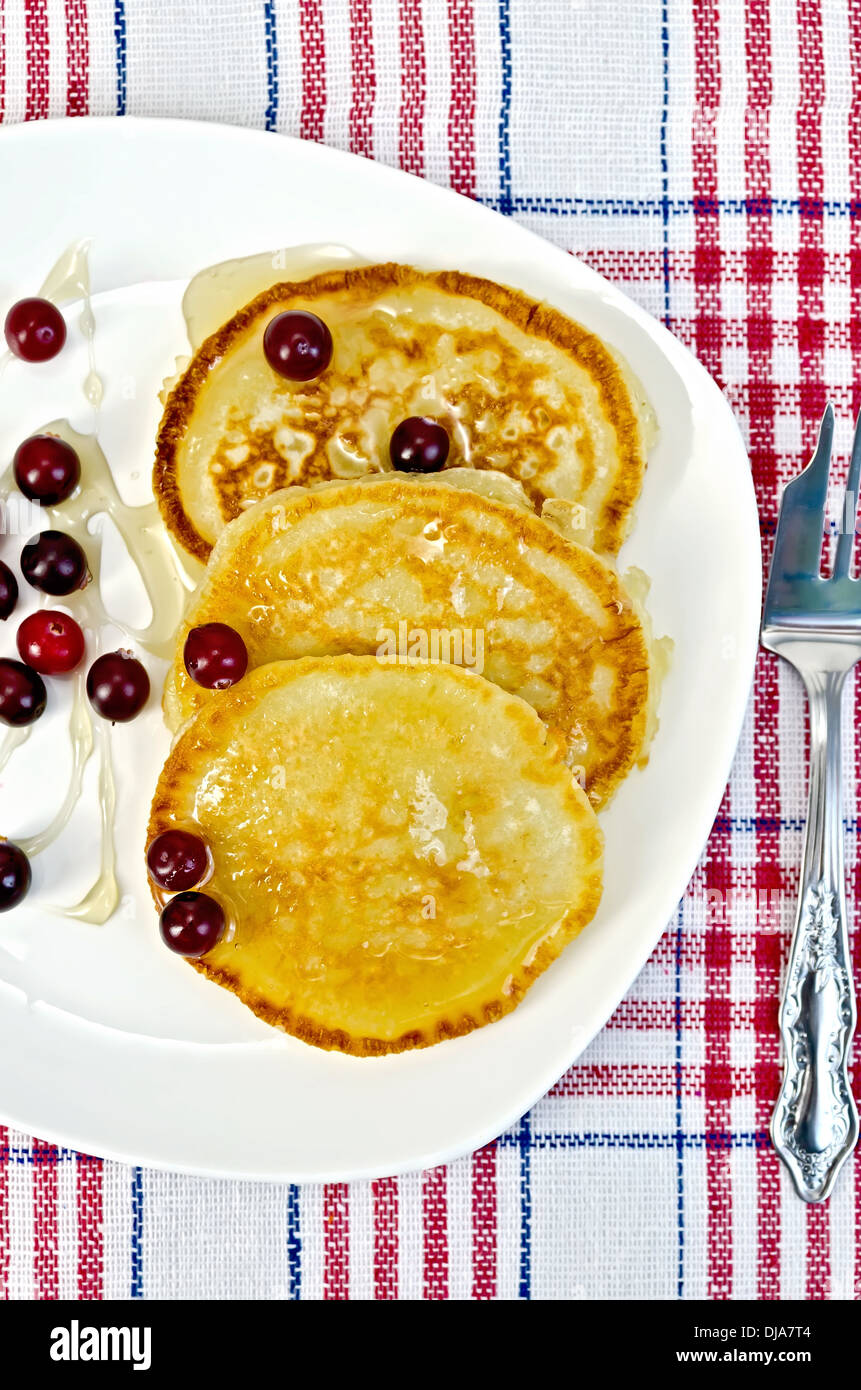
point(47, 469)
point(215, 656)
point(35, 330)
point(8, 591)
point(117, 686)
point(177, 860)
point(419, 445)
point(51, 642)
point(14, 875)
point(192, 923)
point(297, 345)
point(54, 563)
point(22, 693)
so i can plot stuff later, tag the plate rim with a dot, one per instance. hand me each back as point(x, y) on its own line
point(679, 356)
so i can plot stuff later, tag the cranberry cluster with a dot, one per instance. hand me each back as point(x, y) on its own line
point(50, 642)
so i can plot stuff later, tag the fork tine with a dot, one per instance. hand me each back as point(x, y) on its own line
point(843, 556)
point(798, 542)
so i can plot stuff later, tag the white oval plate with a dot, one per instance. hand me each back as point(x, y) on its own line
point(111, 1045)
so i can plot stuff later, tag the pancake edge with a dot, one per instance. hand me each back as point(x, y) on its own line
point(307, 1029)
point(541, 320)
point(527, 527)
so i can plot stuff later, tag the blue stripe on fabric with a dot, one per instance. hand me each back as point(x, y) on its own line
point(774, 823)
point(656, 207)
point(524, 1139)
point(271, 36)
point(665, 168)
point(137, 1234)
point(710, 1140)
point(42, 1158)
point(294, 1243)
point(504, 203)
point(680, 1135)
point(121, 55)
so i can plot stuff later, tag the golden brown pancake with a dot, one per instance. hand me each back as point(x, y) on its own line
point(520, 388)
point(402, 566)
point(401, 849)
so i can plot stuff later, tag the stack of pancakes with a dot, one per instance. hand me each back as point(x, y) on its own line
point(447, 677)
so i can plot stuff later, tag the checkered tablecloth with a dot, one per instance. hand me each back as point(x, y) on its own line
point(706, 157)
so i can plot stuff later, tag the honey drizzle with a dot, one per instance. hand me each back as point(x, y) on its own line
point(214, 294)
point(99, 903)
point(81, 732)
point(68, 281)
point(151, 551)
point(12, 739)
point(143, 534)
point(165, 582)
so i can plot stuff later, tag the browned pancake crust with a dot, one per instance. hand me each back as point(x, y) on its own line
point(538, 320)
point(615, 743)
point(163, 817)
point(334, 1040)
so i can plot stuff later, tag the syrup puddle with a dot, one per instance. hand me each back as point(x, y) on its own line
point(99, 903)
point(214, 294)
point(145, 538)
point(147, 543)
point(81, 733)
point(153, 556)
point(70, 281)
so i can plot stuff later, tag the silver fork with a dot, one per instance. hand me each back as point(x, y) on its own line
point(815, 624)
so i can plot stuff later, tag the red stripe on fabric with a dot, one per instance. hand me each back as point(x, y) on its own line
point(484, 1223)
point(718, 863)
point(364, 78)
point(782, 332)
point(435, 1233)
point(77, 58)
point(385, 1196)
point(769, 879)
point(717, 1092)
point(91, 1216)
point(36, 27)
point(769, 266)
point(46, 1237)
point(769, 952)
point(854, 147)
point(312, 45)
point(811, 188)
point(853, 896)
point(413, 88)
point(818, 1284)
point(792, 399)
point(619, 1079)
point(2, 70)
point(853, 890)
point(461, 111)
point(765, 903)
point(705, 183)
point(5, 1250)
point(661, 1013)
point(811, 311)
point(336, 1240)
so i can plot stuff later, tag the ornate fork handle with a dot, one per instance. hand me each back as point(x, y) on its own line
point(815, 1122)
